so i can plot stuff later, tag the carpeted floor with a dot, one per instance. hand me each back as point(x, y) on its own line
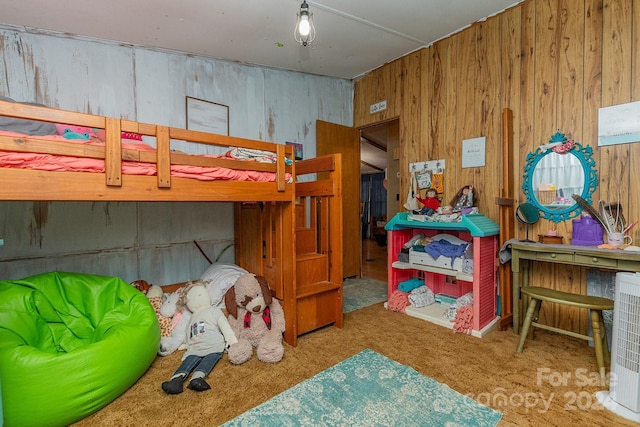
point(552, 382)
point(362, 292)
point(369, 389)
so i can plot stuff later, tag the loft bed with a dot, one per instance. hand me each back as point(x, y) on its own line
point(118, 156)
point(110, 166)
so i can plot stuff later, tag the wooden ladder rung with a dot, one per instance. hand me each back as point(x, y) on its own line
point(310, 256)
point(317, 288)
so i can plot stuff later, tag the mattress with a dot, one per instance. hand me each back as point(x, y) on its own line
point(61, 163)
point(424, 259)
point(463, 263)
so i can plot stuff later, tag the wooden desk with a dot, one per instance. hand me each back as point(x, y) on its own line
point(522, 253)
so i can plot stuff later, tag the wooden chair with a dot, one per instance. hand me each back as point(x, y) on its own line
point(594, 303)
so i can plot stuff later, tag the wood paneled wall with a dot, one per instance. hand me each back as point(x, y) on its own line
point(554, 63)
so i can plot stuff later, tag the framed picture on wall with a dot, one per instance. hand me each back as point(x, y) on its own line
point(207, 116)
point(424, 179)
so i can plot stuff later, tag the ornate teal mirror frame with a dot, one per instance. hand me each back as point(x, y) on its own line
point(556, 171)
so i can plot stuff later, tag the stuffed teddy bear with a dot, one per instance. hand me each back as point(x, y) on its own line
point(257, 319)
point(208, 335)
point(175, 308)
point(141, 285)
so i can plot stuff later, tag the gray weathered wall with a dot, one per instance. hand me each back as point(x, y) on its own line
point(151, 241)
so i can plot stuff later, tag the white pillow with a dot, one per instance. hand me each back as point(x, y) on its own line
point(220, 277)
point(449, 238)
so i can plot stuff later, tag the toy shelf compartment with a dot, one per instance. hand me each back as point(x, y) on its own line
point(459, 275)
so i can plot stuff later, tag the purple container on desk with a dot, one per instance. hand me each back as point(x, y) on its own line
point(586, 232)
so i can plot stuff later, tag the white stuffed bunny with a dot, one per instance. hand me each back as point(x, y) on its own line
point(180, 315)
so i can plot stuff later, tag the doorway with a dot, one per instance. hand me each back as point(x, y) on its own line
point(334, 138)
point(380, 183)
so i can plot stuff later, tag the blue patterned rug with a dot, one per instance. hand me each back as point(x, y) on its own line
point(360, 293)
point(369, 389)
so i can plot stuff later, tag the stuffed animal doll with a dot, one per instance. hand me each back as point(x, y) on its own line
point(155, 297)
point(430, 203)
point(174, 307)
point(257, 319)
point(208, 335)
point(141, 285)
point(465, 199)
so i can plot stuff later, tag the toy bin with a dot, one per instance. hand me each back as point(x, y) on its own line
point(441, 284)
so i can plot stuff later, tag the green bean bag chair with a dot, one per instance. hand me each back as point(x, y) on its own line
point(69, 344)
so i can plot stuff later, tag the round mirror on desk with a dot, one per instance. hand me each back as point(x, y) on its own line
point(554, 173)
point(527, 213)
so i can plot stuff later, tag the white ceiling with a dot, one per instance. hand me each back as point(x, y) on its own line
point(372, 158)
point(373, 148)
point(353, 37)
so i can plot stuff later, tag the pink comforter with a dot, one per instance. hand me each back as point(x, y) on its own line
point(50, 162)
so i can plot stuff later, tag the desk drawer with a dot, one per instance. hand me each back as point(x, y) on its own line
point(555, 257)
point(596, 261)
point(628, 265)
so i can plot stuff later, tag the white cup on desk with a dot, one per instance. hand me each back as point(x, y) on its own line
point(618, 239)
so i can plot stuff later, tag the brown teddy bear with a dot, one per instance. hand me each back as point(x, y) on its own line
point(257, 319)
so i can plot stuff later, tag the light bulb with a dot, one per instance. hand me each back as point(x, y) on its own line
point(304, 32)
point(304, 26)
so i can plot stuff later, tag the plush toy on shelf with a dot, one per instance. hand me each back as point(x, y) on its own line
point(465, 199)
point(257, 319)
point(208, 335)
point(430, 202)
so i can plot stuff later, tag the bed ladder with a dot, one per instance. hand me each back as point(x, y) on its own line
point(314, 298)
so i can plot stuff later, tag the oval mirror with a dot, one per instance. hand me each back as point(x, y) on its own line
point(554, 173)
point(527, 213)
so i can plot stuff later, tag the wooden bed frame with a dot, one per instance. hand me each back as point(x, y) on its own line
point(301, 258)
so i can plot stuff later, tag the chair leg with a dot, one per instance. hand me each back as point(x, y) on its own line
point(536, 316)
point(599, 334)
point(533, 304)
point(524, 307)
point(605, 346)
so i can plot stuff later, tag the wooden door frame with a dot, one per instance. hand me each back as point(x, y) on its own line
point(391, 200)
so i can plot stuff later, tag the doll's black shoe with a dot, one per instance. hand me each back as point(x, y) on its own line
point(198, 384)
point(173, 386)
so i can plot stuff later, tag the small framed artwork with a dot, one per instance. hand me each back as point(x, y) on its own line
point(297, 150)
point(207, 116)
point(424, 179)
point(473, 152)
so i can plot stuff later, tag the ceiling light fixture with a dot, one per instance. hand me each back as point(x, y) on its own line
point(305, 32)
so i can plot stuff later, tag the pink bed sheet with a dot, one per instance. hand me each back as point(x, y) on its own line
point(50, 162)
